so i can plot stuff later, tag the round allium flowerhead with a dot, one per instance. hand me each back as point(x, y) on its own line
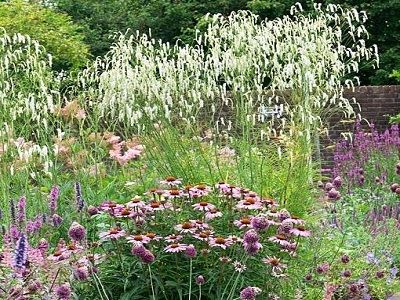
point(92, 210)
point(63, 291)
point(337, 182)
point(138, 249)
point(249, 293)
point(394, 187)
point(190, 251)
point(397, 191)
point(333, 194)
point(200, 280)
point(251, 236)
point(252, 248)
point(147, 257)
point(380, 274)
point(81, 273)
point(259, 223)
point(353, 288)
point(77, 232)
point(308, 277)
point(328, 186)
point(57, 220)
point(345, 259)
point(346, 273)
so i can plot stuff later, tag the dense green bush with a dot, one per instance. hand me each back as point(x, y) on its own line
point(55, 31)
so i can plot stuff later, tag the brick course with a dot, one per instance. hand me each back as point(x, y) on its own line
point(377, 103)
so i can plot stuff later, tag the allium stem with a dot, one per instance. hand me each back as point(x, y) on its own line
point(190, 278)
point(200, 292)
point(151, 282)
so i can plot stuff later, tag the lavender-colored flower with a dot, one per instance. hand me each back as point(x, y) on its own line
point(200, 280)
point(190, 251)
point(259, 223)
point(81, 273)
point(371, 258)
point(77, 232)
point(53, 197)
point(249, 293)
point(328, 186)
point(147, 257)
point(21, 252)
point(251, 236)
point(21, 211)
point(252, 248)
point(56, 220)
point(333, 194)
point(63, 291)
point(337, 182)
point(14, 232)
point(138, 249)
point(78, 196)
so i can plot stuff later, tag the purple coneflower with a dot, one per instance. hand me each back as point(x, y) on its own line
point(175, 248)
point(220, 242)
point(244, 222)
point(213, 213)
point(203, 206)
point(239, 267)
point(186, 227)
point(300, 231)
point(171, 181)
point(279, 239)
point(172, 238)
point(114, 233)
point(138, 239)
point(277, 266)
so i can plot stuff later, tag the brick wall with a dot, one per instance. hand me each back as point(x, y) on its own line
point(377, 104)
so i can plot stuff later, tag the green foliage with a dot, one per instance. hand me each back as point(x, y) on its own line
point(55, 31)
point(384, 27)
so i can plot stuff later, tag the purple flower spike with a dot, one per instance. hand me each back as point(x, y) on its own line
point(21, 211)
point(21, 252)
point(53, 198)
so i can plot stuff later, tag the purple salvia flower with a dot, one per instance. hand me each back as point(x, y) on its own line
point(78, 194)
point(21, 211)
point(21, 252)
point(14, 232)
point(53, 198)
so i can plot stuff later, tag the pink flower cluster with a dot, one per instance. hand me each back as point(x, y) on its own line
point(122, 151)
